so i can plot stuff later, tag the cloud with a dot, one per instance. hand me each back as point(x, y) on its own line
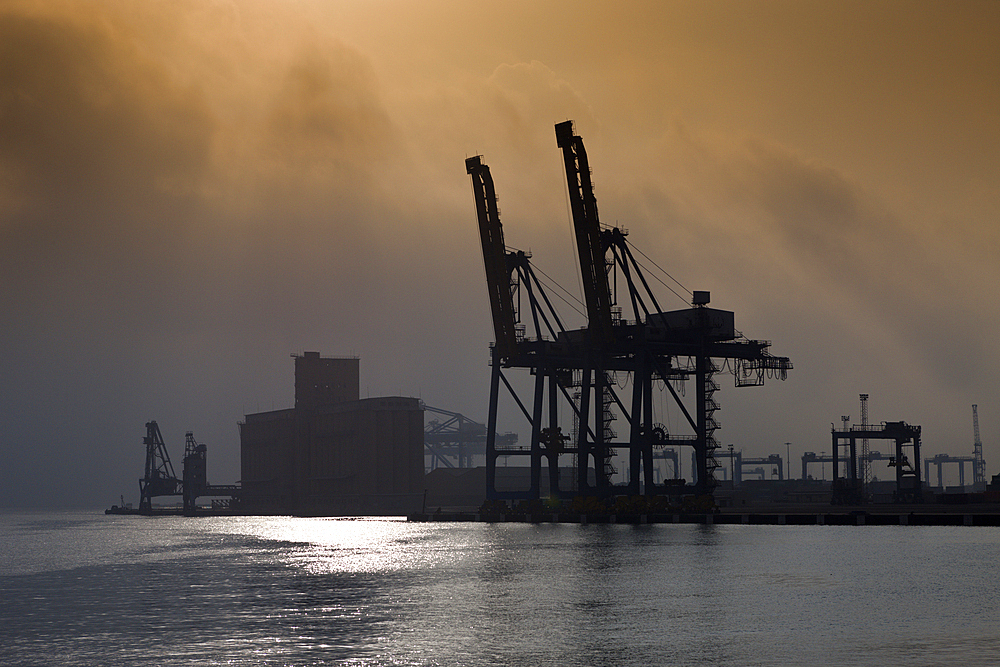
point(104, 153)
point(89, 120)
point(162, 221)
point(191, 190)
point(798, 246)
point(524, 93)
point(117, 160)
point(325, 127)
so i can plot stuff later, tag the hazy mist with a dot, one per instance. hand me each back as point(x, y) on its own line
point(191, 191)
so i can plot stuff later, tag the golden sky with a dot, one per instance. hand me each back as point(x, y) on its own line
point(191, 190)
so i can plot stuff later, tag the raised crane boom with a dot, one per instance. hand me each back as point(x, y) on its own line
point(498, 270)
point(587, 227)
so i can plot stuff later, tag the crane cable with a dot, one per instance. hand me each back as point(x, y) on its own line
point(664, 272)
point(569, 294)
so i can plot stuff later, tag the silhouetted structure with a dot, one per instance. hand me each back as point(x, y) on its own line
point(333, 454)
point(812, 457)
point(578, 368)
point(195, 471)
point(454, 440)
point(849, 489)
point(940, 459)
point(772, 465)
point(159, 478)
point(978, 464)
point(323, 381)
point(224, 496)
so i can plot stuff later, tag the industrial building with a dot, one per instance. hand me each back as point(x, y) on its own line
point(334, 453)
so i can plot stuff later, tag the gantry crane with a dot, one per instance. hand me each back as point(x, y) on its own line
point(657, 348)
point(940, 459)
point(847, 489)
point(591, 248)
point(457, 437)
point(508, 272)
point(649, 345)
point(498, 262)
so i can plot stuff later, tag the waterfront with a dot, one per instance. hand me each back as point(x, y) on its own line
point(81, 588)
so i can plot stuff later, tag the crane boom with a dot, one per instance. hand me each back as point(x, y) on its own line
point(498, 269)
point(587, 227)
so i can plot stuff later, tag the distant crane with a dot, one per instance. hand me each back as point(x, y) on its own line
point(457, 437)
point(866, 465)
point(195, 471)
point(159, 479)
point(978, 464)
point(847, 488)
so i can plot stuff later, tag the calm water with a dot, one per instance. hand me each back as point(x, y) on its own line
point(88, 589)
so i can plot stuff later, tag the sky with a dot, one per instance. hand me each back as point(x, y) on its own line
point(192, 191)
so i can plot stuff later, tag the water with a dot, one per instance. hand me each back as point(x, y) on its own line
point(86, 589)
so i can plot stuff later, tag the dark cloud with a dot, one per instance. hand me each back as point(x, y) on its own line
point(105, 154)
point(154, 238)
point(88, 119)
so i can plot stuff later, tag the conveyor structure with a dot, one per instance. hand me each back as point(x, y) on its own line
point(452, 440)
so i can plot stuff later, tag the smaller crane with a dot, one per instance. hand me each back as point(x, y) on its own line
point(159, 479)
point(978, 464)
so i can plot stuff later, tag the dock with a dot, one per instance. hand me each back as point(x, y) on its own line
point(927, 515)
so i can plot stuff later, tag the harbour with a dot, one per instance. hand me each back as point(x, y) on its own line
point(513, 334)
point(334, 453)
point(894, 516)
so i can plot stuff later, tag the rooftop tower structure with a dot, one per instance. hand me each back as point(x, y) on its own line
point(321, 381)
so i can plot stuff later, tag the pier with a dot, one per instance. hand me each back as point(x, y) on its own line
point(917, 515)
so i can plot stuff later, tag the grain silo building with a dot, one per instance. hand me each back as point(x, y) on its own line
point(334, 454)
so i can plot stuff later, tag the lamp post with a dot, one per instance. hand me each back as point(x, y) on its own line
point(732, 467)
point(788, 460)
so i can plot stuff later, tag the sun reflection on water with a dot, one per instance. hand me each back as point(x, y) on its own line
point(347, 545)
point(288, 590)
